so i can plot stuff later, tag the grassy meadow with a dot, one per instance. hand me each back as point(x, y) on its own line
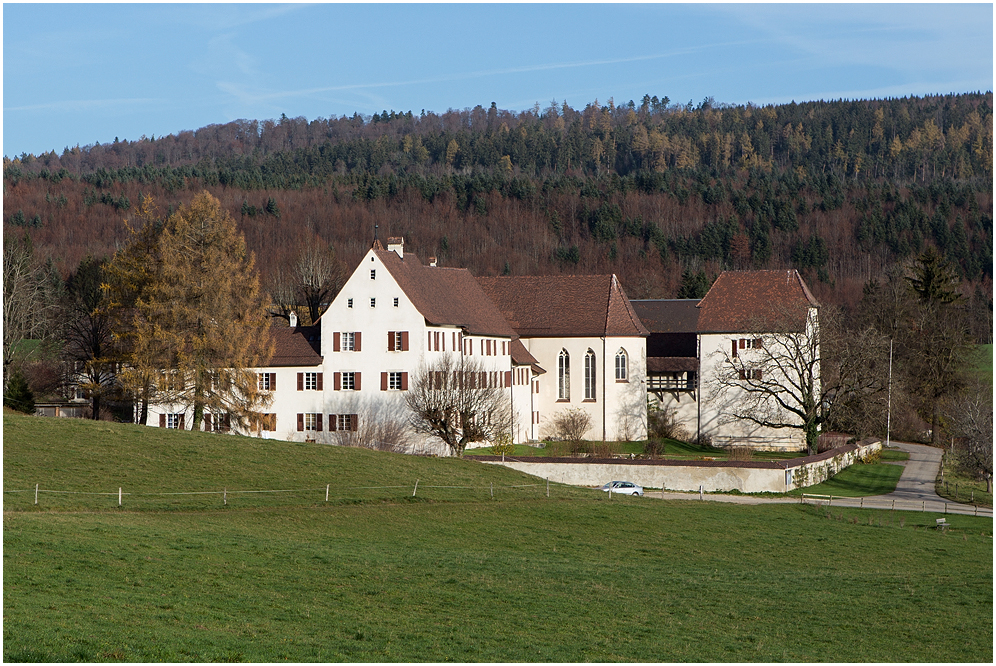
point(451, 574)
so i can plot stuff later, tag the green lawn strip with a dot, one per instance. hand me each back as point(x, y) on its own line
point(78, 457)
point(858, 480)
point(675, 450)
point(894, 455)
point(959, 487)
point(558, 580)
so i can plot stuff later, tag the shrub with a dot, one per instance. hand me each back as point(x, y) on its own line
point(741, 454)
point(655, 448)
point(870, 458)
point(606, 449)
point(570, 425)
point(502, 446)
point(662, 424)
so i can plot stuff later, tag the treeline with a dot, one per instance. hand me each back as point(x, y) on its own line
point(651, 191)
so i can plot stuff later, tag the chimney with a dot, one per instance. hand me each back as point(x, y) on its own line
point(396, 244)
point(432, 261)
point(293, 319)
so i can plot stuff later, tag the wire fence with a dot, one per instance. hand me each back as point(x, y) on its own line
point(48, 498)
point(893, 504)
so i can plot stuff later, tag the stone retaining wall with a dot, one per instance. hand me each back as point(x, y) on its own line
point(689, 475)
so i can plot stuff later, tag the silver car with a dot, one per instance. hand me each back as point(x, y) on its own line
point(623, 488)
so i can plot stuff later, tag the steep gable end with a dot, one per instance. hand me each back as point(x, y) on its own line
point(751, 301)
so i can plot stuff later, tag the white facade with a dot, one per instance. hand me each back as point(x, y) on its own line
point(618, 407)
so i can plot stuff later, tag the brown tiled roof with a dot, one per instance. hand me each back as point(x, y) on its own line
point(564, 305)
point(672, 364)
point(668, 316)
point(521, 356)
point(295, 346)
point(755, 302)
point(446, 296)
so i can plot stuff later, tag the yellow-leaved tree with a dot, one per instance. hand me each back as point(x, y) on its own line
point(193, 316)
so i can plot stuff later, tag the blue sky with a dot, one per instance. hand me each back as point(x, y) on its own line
point(79, 74)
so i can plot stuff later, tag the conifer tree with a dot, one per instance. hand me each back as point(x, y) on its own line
point(199, 318)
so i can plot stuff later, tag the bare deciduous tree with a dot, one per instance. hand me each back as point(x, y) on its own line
point(455, 401)
point(800, 379)
point(570, 425)
point(27, 305)
point(971, 421)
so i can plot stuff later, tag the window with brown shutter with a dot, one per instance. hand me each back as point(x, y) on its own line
point(332, 422)
point(734, 349)
point(300, 422)
point(318, 386)
point(404, 381)
point(162, 420)
point(300, 381)
point(356, 341)
point(356, 381)
point(383, 381)
point(390, 341)
point(336, 381)
point(335, 341)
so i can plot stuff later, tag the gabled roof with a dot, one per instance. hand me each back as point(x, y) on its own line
point(564, 305)
point(756, 301)
point(445, 296)
point(299, 346)
point(668, 316)
point(521, 356)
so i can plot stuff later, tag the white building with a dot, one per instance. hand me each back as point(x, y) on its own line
point(582, 330)
point(744, 330)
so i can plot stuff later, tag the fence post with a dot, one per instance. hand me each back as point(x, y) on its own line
point(945, 508)
point(492, 490)
point(701, 497)
point(416, 488)
point(119, 496)
point(923, 507)
point(861, 505)
point(224, 496)
point(547, 486)
point(36, 493)
point(327, 491)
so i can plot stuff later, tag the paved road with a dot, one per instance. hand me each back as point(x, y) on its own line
point(914, 492)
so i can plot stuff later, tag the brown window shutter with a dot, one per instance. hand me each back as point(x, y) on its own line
point(508, 378)
point(404, 381)
point(318, 422)
point(759, 343)
point(336, 382)
point(356, 341)
point(273, 381)
point(162, 420)
point(404, 340)
point(390, 341)
point(318, 381)
point(354, 422)
point(383, 381)
point(428, 337)
point(228, 422)
point(300, 422)
point(332, 423)
point(335, 341)
point(734, 349)
point(300, 381)
point(207, 422)
point(181, 421)
point(758, 374)
point(743, 374)
point(743, 343)
point(356, 382)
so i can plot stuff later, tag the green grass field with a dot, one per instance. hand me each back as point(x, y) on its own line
point(450, 575)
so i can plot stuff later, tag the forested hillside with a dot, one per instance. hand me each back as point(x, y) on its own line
point(652, 191)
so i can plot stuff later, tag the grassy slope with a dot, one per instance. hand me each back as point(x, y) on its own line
point(572, 578)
